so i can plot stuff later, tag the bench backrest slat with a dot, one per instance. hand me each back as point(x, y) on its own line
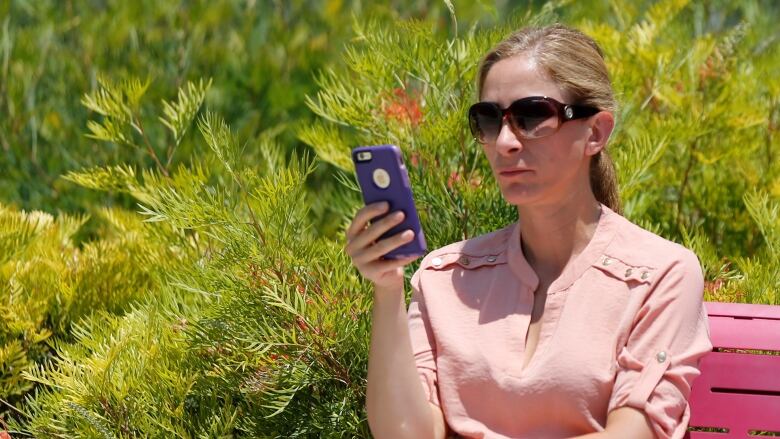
point(741, 333)
point(742, 310)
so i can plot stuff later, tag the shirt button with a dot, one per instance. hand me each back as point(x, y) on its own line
point(661, 357)
point(644, 275)
point(628, 272)
point(436, 262)
point(491, 259)
point(607, 261)
point(465, 260)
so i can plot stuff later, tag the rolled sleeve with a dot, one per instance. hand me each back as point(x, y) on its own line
point(423, 343)
point(659, 362)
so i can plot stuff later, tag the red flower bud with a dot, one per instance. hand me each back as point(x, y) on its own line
point(402, 107)
point(453, 178)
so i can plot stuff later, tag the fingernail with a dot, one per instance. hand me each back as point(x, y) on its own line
point(384, 205)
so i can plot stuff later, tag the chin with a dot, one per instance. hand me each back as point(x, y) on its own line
point(521, 195)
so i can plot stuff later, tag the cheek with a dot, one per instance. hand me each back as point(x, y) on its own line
point(553, 152)
point(566, 148)
point(576, 136)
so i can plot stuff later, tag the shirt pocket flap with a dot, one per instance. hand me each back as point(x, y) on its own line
point(451, 260)
point(623, 271)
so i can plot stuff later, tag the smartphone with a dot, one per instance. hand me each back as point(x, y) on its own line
point(382, 177)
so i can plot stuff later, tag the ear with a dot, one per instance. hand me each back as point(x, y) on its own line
point(601, 126)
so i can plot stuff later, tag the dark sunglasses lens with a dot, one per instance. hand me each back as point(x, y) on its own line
point(485, 122)
point(534, 118)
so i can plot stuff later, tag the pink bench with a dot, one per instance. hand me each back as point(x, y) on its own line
point(738, 392)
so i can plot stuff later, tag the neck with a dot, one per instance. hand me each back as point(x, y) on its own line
point(552, 235)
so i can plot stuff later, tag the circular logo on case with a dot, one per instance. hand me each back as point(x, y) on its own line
point(381, 178)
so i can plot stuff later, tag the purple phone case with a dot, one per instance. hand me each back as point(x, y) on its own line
point(398, 194)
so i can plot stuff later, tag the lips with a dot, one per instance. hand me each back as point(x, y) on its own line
point(510, 172)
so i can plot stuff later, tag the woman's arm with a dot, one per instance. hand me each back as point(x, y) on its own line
point(395, 399)
point(622, 423)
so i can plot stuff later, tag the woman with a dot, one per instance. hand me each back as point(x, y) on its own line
point(573, 322)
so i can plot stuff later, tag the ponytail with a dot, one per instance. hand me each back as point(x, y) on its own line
point(603, 181)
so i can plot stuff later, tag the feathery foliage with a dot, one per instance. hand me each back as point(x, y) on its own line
point(52, 283)
point(224, 306)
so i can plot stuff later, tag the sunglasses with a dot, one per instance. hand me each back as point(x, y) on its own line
point(529, 118)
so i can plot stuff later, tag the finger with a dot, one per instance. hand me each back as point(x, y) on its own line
point(377, 229)
point(381, 248)
point(363, 216)
point(374, 251)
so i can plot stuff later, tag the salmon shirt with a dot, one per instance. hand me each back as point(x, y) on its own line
point(623, 325)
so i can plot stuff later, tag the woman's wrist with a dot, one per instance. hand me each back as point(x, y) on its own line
point(382, 292)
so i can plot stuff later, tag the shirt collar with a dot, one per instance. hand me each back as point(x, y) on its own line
point(605, 231)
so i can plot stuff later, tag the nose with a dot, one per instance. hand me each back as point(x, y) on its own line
point(506, 141)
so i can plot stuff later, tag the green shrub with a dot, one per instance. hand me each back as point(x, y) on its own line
point(51, 284)
point(254, 334)
point(261, 55)
point(255, 325)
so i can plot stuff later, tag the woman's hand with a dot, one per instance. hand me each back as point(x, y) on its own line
point(366, 252)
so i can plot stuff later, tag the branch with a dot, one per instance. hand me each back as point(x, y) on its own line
point(149, 149)
point(12, 407)
point(684, 183)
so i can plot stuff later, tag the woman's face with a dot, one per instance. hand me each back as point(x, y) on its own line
point(545, 171)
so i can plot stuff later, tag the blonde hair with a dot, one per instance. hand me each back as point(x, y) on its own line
point(576, 64)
